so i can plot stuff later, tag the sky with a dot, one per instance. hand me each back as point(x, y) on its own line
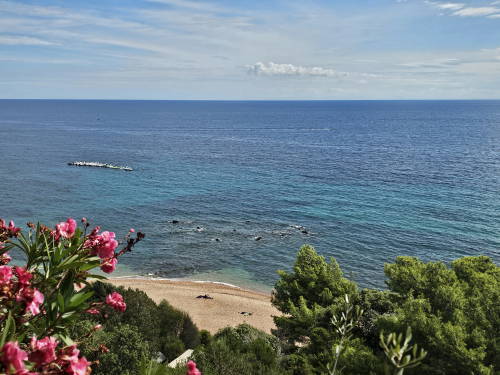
point(250, 50)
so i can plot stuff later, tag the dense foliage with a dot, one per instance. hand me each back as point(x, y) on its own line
point(55, 318)
point(452, 312)
point(153, 328)
point(242, 350)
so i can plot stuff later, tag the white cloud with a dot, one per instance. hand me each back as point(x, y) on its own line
point(273, 69)
point(196, 5)
point(23, 40)
point(449, 6)
point(461, 10)
point(477, 12)
point(200, 49)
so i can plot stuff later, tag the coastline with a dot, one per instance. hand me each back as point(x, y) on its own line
point(225, 309)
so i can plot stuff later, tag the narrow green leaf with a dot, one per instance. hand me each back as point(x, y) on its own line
point(79, 298)
point(60, 302)
point(8, 324)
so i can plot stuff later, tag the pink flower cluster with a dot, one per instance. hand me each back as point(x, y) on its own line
point(15, 284)
point(191, 369)
point(103, 245)
point(115, 300)
point(65, 229)
point(44, 357)
point(4, 258)
point(11, 230)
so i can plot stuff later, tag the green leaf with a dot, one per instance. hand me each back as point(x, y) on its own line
point(60, 302)
point(98, 277)
point(78, 299)
point(67, 315)
point(66, 339)
point(89, 265)
point(9, 324)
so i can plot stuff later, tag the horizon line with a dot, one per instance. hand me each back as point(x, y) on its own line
point(246, 100)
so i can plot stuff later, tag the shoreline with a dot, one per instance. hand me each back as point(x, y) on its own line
point(181, 279)
point(231, 305)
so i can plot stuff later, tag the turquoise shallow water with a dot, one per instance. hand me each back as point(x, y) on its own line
point(367, 180)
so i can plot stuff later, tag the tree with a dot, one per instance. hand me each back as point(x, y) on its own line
point(309, 295)
point(453, 312)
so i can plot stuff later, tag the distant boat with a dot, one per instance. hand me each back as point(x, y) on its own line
point(98, 165)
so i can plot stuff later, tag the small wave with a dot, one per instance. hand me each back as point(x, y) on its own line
point(96, 164)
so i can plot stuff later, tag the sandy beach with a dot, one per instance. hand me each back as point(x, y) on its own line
point(225, 309)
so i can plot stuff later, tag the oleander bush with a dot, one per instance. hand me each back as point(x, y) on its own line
point(42, 299)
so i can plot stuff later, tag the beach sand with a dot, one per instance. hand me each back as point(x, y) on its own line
point(211, 314)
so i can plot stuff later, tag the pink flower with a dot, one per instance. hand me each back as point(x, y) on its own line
point(109, 265)
point(191, 369)
point(14, 357)
point(93, 311)
point(70, 353)
point(103, 244)
point(23, 276)
point(66, 229)
point(107, 245)
point(115, 300)
point(43, 351)
point(79, 367)
point(13, 231)
point(33, 299)
point(5, 275)
point(95, 231)
point(4, 258)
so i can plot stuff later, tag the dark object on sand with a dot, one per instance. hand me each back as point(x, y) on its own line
point(246, 313)
point(205, 296)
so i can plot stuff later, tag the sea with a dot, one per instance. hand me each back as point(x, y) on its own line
point(229, 191)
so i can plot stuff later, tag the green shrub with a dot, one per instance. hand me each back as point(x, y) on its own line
point(242, 350)
point(172, 348)
point(127, 350)
point(165, 328)
point(452, 311)
point(205, 337)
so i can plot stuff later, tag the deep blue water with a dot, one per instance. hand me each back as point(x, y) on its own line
point(368, 180)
